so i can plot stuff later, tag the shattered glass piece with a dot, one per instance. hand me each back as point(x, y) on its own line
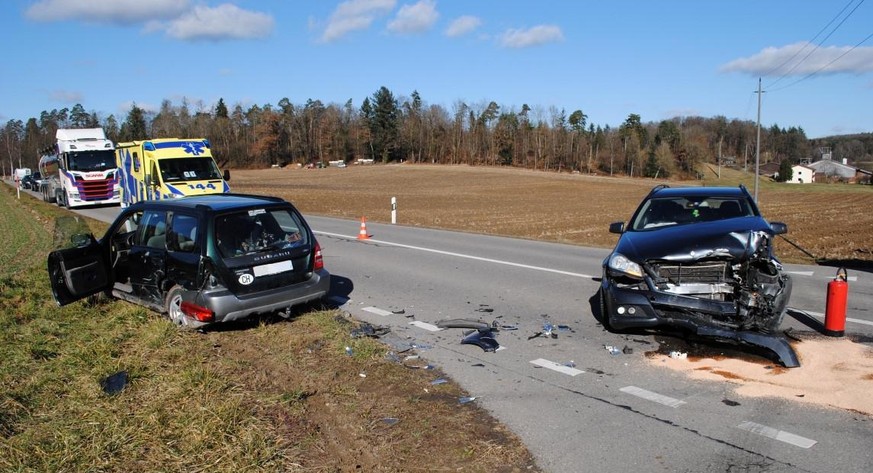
point(391, 356)
point(349, 351)
point(420, 346)
point(678, 355)
point(466, 399)
point(439, 381)
point(389, 421)
point(115, 383)
point(548, 331)
point(614, 351)
point(570, 364)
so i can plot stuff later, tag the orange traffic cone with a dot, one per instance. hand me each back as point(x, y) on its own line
point(362, 235)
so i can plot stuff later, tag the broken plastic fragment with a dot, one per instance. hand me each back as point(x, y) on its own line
point(439, 381)
point(349, 351)
point(399, 312)
point(509, 327)
point(466, 399)
point(482, 339)
point(627, 350)
point(564, 328)
point(678, 355)
point(570, 364)
point(115, 383)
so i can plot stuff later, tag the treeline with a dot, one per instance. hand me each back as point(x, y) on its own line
point(392, 129)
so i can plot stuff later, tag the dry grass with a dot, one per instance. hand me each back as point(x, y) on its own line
point(830, 221)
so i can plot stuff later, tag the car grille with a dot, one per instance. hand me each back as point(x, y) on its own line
point(698, 273)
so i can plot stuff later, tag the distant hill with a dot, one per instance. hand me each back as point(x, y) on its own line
point(856, 148)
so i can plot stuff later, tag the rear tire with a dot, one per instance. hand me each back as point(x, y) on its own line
point(173, 307)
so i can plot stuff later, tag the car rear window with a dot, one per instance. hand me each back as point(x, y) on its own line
point(661, 212)
point(259, 230)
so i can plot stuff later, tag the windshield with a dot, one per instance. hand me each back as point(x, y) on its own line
point(91, 160)
point(258, 230)
point(188, 169)
point(662, 212)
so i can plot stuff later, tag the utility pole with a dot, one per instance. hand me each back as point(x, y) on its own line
point(758, 144)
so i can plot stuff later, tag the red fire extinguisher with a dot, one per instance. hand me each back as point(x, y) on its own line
point(835, 313)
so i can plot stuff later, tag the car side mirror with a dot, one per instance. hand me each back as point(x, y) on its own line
point(226, 174)
point(778, 228)
point(616, 227)
point(81, 239)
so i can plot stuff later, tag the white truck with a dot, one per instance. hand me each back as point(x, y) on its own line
point(80, 169)
point(19, 173)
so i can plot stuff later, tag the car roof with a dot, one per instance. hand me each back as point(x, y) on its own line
point(216, 202)
point(714, 191)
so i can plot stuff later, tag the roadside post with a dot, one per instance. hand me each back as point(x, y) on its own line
point(835, 312)
point(393, 210)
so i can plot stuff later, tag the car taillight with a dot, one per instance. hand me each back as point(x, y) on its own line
point(319, 261)
point(197, 312)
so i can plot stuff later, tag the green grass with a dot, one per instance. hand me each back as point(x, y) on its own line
point(176, 413)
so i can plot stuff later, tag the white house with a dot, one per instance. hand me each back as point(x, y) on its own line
point(801, 174)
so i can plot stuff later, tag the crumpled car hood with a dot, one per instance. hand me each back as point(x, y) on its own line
point(723, 238)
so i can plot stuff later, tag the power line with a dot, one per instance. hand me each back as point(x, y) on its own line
point(817, 46)
point(810, 41)
point(826, 65)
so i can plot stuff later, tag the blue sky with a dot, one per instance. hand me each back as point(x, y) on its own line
point(657, 59)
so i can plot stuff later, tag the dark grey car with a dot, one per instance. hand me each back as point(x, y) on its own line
point(699, 258)
point(199, 260)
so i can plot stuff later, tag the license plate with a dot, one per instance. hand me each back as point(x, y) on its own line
point(273, 268)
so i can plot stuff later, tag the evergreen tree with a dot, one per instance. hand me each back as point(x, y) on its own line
point(785, 172)
point(220, 109)
point(134, 127)
point(384, 125)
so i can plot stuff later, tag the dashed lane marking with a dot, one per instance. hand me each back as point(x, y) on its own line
point(543, 363)
point(777, 434)
point(377, 311)
point(425, 325)
point(652, 396)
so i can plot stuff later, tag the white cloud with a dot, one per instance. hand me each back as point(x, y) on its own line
point(802, 58)
point(353, 15)
point(414, 18)
point(106, 11)
point(225, 21)
point(65, 96)
point(463, 25)
point(536, 36)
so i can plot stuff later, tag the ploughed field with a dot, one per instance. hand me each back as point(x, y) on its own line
point(831, 222)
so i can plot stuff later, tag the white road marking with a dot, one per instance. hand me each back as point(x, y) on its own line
point(556, 367)
point(821, 316)
point(777, 434)
point(377, 311)
point(652, 396)
point(811, 273)
point(425, 325)
point(461, 255)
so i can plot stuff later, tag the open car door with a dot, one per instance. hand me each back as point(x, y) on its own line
point(76, 273)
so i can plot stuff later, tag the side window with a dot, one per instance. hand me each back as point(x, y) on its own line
point(152, 230)
point(183, 234)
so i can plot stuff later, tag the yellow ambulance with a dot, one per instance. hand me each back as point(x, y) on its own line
point(167, 168)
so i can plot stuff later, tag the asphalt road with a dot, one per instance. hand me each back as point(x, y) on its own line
point(610, 412)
